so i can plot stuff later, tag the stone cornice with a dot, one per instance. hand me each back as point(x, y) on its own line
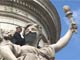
point(44, 12)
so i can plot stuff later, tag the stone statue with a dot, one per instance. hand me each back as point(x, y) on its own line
point(10, 51)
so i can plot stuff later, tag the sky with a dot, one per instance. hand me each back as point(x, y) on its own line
point(72, 50)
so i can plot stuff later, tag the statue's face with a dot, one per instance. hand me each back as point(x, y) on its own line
point(31, 34)
point(33, 28)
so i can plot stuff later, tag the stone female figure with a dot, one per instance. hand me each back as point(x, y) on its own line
point(11, 51)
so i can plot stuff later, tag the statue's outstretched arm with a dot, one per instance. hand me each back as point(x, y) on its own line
point(6, 52)
point(73, 28)
point(65, 39)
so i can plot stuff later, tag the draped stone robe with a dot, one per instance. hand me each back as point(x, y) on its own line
point(31, 53)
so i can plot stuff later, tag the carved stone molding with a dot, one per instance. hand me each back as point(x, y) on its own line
point(42, 12)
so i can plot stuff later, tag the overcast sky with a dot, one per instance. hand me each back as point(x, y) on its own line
point(72, 50)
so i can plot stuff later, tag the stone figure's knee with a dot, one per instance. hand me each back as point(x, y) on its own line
point(1, 49)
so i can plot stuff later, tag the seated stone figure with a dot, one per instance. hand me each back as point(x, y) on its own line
point(11, 51)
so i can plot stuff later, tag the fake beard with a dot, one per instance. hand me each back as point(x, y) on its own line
point(30, 38)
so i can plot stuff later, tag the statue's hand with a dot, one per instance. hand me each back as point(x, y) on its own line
point(73, 27)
